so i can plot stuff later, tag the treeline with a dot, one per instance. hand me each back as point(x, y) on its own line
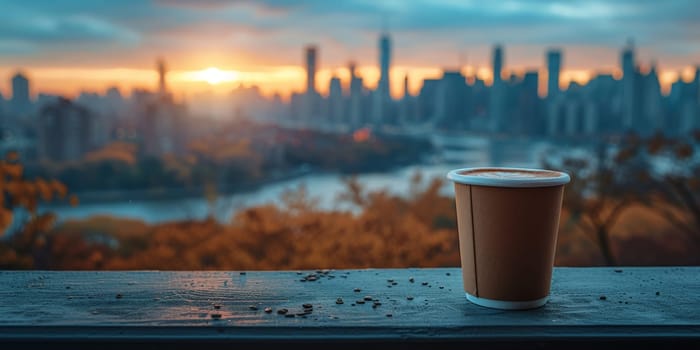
point(228, 162)
point(623, 207)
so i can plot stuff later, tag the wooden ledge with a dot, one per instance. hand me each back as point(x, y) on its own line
point(602, 307)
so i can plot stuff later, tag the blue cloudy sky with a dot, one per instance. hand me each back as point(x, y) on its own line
point(257, 36)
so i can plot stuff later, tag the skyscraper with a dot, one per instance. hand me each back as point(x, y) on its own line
point(497, 64)
point(628, 87)
point(405, 108)
point(64, 129)
point(553, 69)
point(310, 52)
point(527, 110)
point(20, 102)
point(162, 89)
point(381, 98)
point(384, 65)
point(335, 101)
point(652, 101)
point(311, 100)
point(355, 114)
point(497, 97)
point(451, 101)
point(406, 93)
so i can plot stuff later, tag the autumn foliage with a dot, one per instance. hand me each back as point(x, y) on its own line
point(21, 195)
point(389, 232)
point(649, 222)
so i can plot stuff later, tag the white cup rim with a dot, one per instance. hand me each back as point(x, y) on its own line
point(459, 176)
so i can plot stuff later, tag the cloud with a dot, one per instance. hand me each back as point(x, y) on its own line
point(76, 28)
point(276, 30)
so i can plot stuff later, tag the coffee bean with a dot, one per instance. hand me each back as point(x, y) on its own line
point(394, 283)
point(410, 279)
point(311, 278)
point(243, 272)
point(282, 311)
point(360, 301)
point(339, 301)
point(425, 283)
point(268, 310)
point(253, 307)
point(409, 297)
point(602, 297)
point(447, 273)
point(299, 272)
point(389, 315)
point(657, 293)
point(368, 298)
point(390, 280)
point(441, 287)
point(357, 290)
point(303, 279)
point(307, 306)
point(618, 270)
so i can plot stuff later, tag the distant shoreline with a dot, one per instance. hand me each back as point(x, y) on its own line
point(165, 194)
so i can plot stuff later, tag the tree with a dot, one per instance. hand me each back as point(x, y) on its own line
point(601, 189)
point(23, 247)
point(673, 181)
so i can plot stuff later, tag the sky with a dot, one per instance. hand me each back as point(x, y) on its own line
point(67, 46)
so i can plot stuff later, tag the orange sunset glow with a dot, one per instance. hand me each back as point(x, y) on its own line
point(271, 80)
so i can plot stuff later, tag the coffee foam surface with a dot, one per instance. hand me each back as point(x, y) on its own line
point(508, 177)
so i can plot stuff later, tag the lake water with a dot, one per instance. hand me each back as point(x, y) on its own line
point(453, 152)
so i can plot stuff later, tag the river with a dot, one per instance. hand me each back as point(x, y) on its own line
point(453, 152)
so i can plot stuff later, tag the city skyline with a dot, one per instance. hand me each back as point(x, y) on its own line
point(231, 43)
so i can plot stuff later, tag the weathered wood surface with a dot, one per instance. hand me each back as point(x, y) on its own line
point(642, 305)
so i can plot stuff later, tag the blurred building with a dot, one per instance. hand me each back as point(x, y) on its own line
point(21, 104)
point(407, 109)
point(159, 119)
point(2, 108)
point(427, 100)
point(162, 71)
point(311, 104)
point(382, 98)
point(64, 131)
point(452, 101)
point(335, 102)
point(160, 125)
point(553, 69)
point(527, 117)
point(498, 93)
point(652, 108)
point(355, 113)
point(630, 112)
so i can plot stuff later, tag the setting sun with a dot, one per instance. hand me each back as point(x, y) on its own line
point(214, 76)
